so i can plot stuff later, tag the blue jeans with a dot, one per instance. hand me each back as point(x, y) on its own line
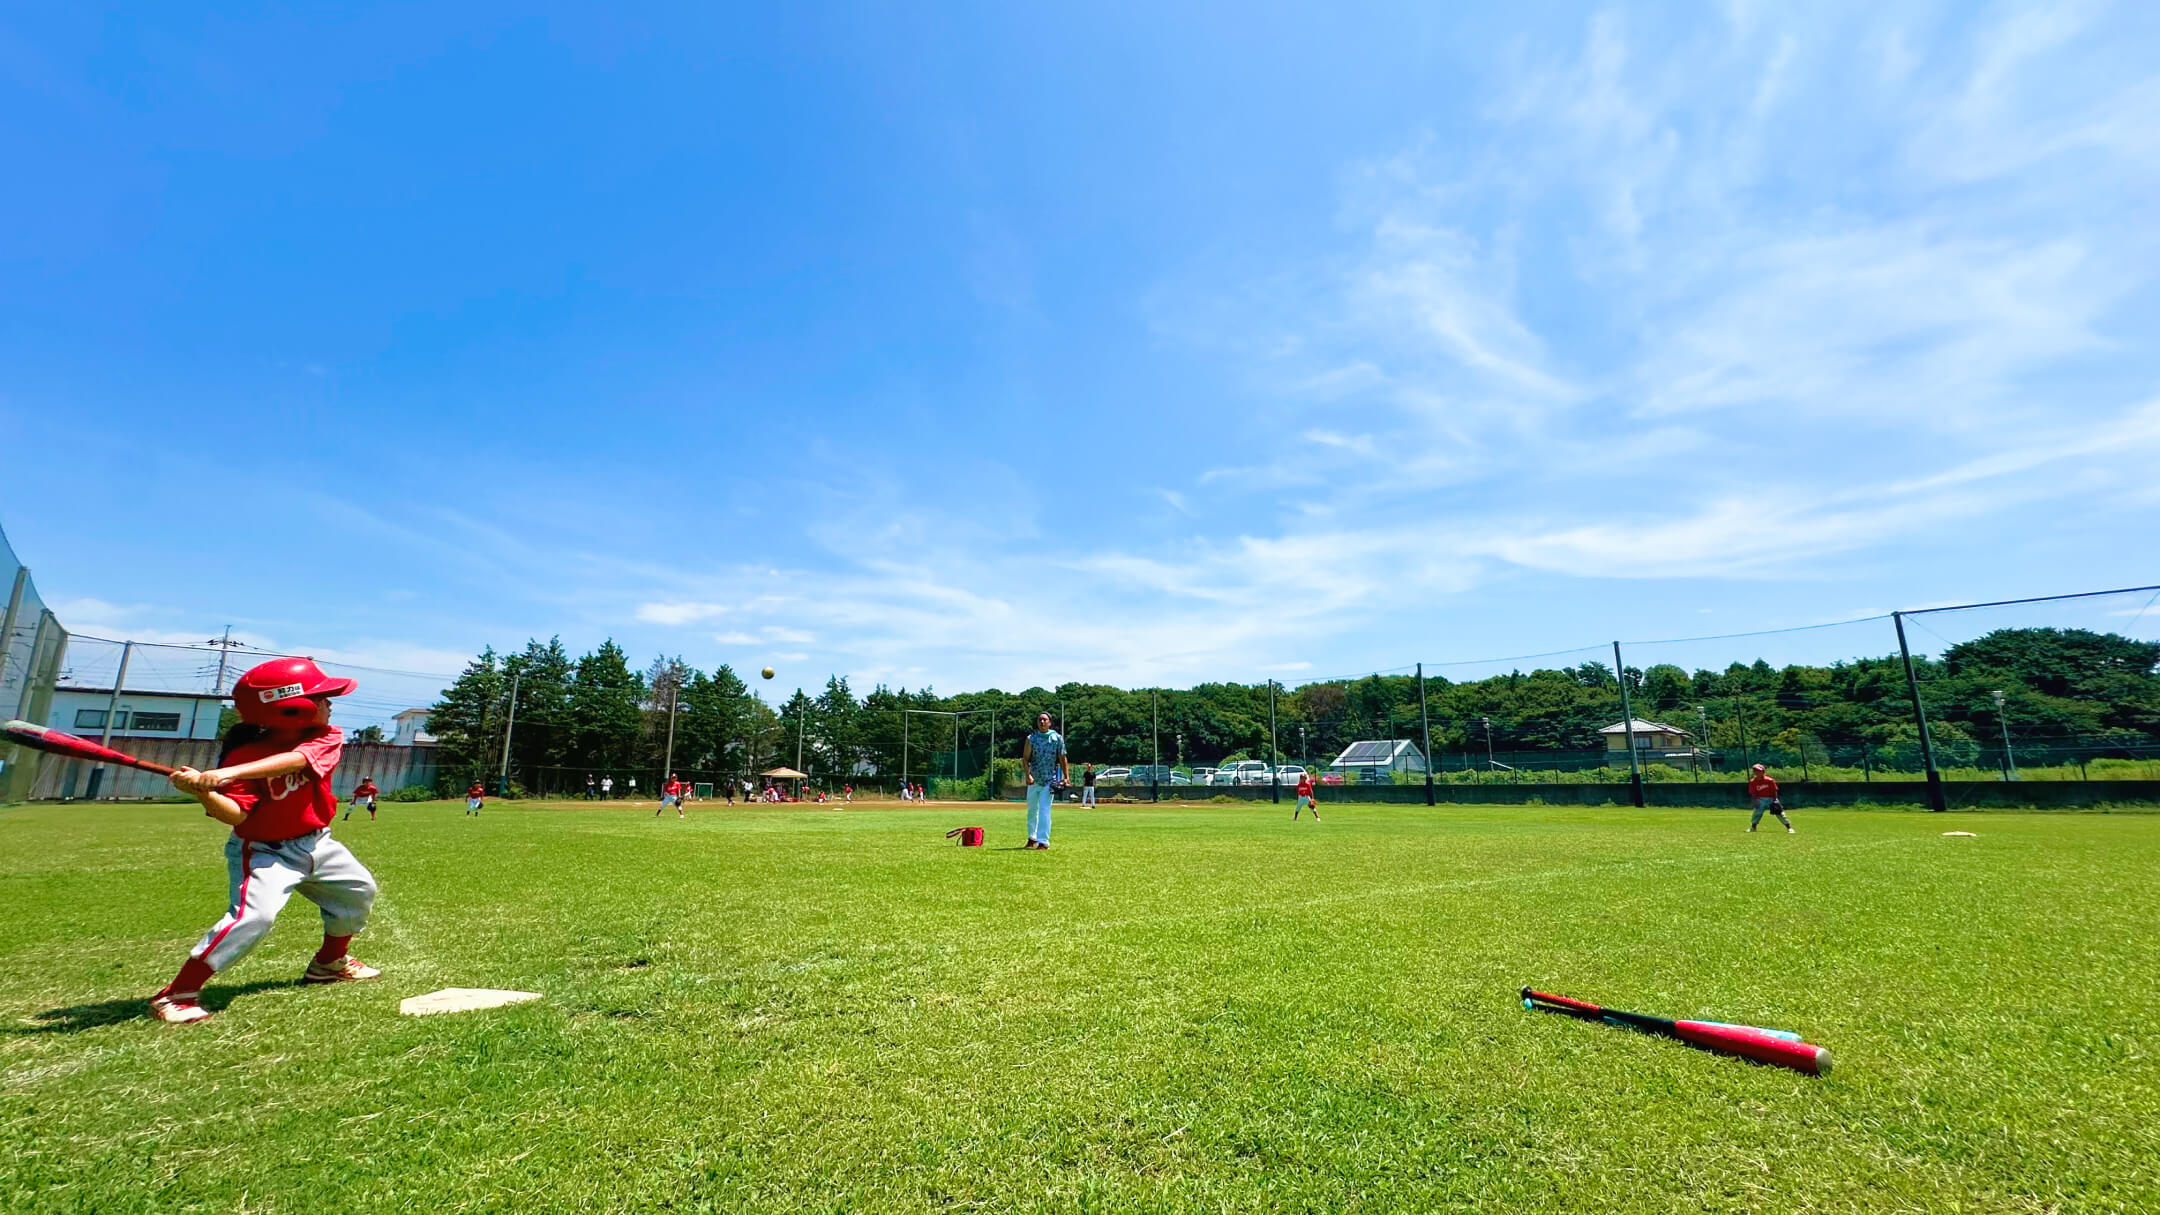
point(1039, 797)
point(1763, 804)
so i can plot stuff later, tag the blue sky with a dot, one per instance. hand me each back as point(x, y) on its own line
point(1004, 345)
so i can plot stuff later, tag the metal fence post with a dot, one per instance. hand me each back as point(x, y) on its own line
point(1627, 718)
point(1936, 801)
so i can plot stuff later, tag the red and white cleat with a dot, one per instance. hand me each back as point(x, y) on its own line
point(347, 969)
point(177, 1012)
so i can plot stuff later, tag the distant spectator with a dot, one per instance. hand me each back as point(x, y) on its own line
point(1087, 785)
point(1048, 770)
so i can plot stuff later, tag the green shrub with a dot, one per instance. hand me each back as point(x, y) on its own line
point(410, 793)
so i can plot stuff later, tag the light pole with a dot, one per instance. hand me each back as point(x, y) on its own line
point(1702, 714)
point(1487, 722)
point(2009, 762)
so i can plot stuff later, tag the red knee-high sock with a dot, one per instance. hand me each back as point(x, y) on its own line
point(333, 948)
point(189, 982)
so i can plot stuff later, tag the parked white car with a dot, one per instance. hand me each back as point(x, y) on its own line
point(1113, 776)
point(1246, 772)
point(1289, 775)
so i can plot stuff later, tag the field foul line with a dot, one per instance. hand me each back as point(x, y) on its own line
point(1540, 875)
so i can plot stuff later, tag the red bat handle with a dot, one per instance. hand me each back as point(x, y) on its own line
point(1756, 1045)
point(44, 738)
point(1563, 1003)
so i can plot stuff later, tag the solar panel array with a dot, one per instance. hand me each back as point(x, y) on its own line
point(1369, 752)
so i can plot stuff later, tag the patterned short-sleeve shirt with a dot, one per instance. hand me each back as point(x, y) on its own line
point(1047, 747)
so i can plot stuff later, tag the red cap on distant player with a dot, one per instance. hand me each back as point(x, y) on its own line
point(279, 693)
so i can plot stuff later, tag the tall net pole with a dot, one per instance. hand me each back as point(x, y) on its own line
point(1927, 750)
point(1627, 720)
point(1425, 726)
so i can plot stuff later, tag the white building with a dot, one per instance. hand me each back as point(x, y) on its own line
point(82, 711)
point(412, 729)
point(1372, 759)
point(1654, 740)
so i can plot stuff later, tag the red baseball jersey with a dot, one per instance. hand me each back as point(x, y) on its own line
point(476, 790)
point(366, 789)
point(1304, 785)
point(672, 788)
point(1762, 786)
point(296, 803)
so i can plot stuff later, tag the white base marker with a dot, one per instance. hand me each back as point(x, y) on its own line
point(461, 999)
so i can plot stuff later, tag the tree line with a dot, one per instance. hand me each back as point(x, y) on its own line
point(2065, 689)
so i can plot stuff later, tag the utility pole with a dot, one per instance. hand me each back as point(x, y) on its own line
point(1627, 718)
point(502, 784)
point(904, 716)
point(674, 698)
point(225, 648)
point(1154, 772)
point(1274, 752)
point(1425, 723)
point(112, 710)
point(2009, 762)
point(1702, 714)
point(1739, 709)
point(802, 712)
point(1487, 722)
point(1936, 801)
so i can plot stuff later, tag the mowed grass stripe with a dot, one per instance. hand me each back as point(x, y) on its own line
point(1207, 1008)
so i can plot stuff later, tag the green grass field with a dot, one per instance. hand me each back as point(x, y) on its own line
point(1204, 1009)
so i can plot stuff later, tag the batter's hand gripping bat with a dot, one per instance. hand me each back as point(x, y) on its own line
point(1762, 1045)
point(42, 738)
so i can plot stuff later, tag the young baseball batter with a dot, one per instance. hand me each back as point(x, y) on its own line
point(475, 799)
point(1762, 787)
point(272, 787)
point(363, 794)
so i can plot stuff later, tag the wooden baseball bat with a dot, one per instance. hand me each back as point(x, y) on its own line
point(1746, 1041)
point(44, 738)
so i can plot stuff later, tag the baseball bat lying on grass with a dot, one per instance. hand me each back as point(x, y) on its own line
point(1780, 1047)
point(43, 738)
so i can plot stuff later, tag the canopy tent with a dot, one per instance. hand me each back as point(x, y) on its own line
point(786, 774)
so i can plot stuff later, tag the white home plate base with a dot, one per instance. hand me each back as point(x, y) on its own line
point(1966, 834)
point(462, 999)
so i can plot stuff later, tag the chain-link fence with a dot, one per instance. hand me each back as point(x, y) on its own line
point(32, 647)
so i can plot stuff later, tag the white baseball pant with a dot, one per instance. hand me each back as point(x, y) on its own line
point(262, 876)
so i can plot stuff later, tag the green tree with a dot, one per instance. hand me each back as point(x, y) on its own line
point(542, 739)
point(466, 722)
point(605, 718)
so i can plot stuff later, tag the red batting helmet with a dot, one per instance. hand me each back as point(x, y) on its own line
point(278, 693)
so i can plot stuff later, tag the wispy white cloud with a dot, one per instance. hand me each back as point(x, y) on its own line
point(680, 612)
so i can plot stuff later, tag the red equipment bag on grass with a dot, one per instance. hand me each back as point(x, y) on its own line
point(970, 837)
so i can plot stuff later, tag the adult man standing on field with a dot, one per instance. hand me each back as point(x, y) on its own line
point(1763, 788)
point(1047, 768)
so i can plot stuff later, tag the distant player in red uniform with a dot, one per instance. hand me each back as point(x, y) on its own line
point(1305, 799)
point(363, 794)
point(272, 787)
point(475, 799)
point(1763, 788)
point(672, 791)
